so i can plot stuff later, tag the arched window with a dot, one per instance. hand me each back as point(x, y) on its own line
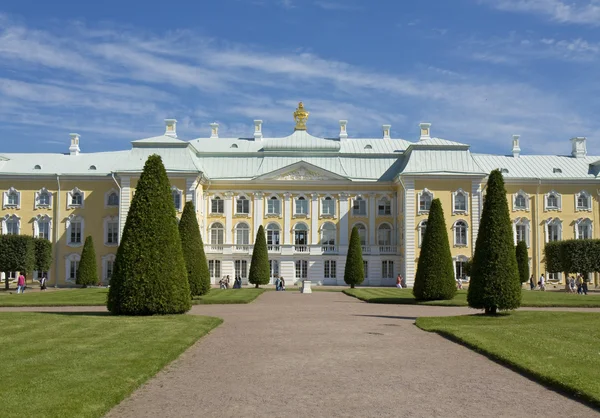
point(460, 202)
point(75, 198)
point(583, 229)
point(242, 234)
point(273, 236)
point(43, 198)
point(177, 198)
point(359, 207)
point(520, 201)
point(422, 229)
point(384, 234)
point(301, 206)
point(583, 201)
point(384, 207)
point(300, 234)
point(242, 205)
point(328, 234)
point(216, 232)
point(112, 199)
point(217, 205)
point(71, 267)
point(460, 233)
point(362, 233)
point(553, 230)
point(328, 206)
point(42, 225)
point(12, 198)
point(553, 201)
point(521, 230)
point(273, 206)
point(11, 225)
point(425, 198)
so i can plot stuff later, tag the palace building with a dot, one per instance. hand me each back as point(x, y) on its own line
point(307, 192)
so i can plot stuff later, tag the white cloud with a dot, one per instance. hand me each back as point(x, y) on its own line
point(576, 11)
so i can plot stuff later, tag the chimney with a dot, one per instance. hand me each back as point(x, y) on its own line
point(343, 132)
point(171, 128)
point(258, 130)
point(425, 131)
point(516, 150)
point(74, 148)
point(214, 130)
point(386, 131)
point(579, 149)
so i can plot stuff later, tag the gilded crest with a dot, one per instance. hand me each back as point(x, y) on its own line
point(300, 117)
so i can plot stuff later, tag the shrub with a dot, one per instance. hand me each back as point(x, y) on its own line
point(354, 272)
point(150, 275)
point(193, 251)
point(495, 283)
point(259, 266)
point(435, 273)
point(16, 254)
point(87, 273)
point(43, 254)
point(522, 255)
point(552, 256)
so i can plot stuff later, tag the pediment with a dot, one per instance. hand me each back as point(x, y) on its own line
point(301, 171)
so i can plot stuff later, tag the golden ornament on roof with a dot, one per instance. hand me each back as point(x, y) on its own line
point(300, 117)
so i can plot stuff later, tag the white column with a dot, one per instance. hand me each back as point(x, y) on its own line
point(206, 211)
point(190, 190)
point(476, 208)
point(344, 221)
point(287, 218)
point(409, 232)
point(124, 203)
point(372, 212)
point(258, 212)
point(314, 219)
point(228, 218)
point(394, 208)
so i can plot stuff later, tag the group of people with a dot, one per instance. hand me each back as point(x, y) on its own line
point(225, 281)
point(279, 283)
point(22, 282)
point(575, 284)
point(541, 283)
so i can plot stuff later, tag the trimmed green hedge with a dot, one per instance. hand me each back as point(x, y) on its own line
point(17, 253)
point(522, 261)
point(43, 254)
point(354, 272)
point(87, 273)
point(259, 266)
point(573, 256)
point(193, 251)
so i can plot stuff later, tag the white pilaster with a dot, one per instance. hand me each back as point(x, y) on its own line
point(190, 190)
point(258, 211)
point(344, 221)
point(314, 219)
point(476, 209)
point(124, 203)
point(204, 224)
point(287, 218)
point(372, 226)
point(229, 218)
point(409, 231)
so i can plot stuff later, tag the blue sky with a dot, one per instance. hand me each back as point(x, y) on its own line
point(478, 70)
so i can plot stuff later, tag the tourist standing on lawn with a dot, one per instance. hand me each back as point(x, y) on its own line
point(21, 283)
point(531, 282)
point(579, 284)
point(542, 283)
point(572, 284)
point(399, 281)
point(584, 285)
point(43, 281)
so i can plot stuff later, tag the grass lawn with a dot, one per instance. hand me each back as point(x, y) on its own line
point(530, 298)
point(557, 348)
point(82, 364)
point(97, 297)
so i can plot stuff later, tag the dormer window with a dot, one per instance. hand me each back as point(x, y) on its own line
point(12, 198)
point(504, 170)
point(556, 170)
point(368, 147)
point(233, 146)
point(37, 167)
point(92, 167)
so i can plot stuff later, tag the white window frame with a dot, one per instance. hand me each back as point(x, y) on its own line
point(455, 233)
point(210, 235)
point(381, 200)
point(301, 269)
point(391, 237)
point(553, 222)
point(306, 231)
point(10, 218)
point(37, 204)
point(459, 259)
point(366, 268)
point(325, 241)
point(243, 197)
point(70, 220)
point(240, 268)
point(365, 202)
point(274, 213)
point(590, 227)
point(70, 195)
point(175, 189)
point(274, 267)
point(214, 269)
point(366, 229)
point(7, 194)
point(525, 196)
point(279, 235)
point(296, 206)
point(107, 196)
point(239, 227)
point(219, 198)
point(36, 225)
point(422, 224)
point(420, 195)
point(589, 201)
point(522, 222)
point(547, 207)
point(460, 191)
point(329, 269)
point(108, 258)
point(387, 269)
point(331, 199)
point(71, 257)
point(107, 220)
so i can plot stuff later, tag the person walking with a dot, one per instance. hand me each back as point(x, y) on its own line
point(277, 283)
point(21, 283)
point(584, 286)
point(571, 284)
point(532, 282)
point(43, 281)
point(542, 283)
point(579, 284)
point(281, 283)
point(399, 281)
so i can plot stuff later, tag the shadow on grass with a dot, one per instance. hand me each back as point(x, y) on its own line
point(549, 383)
point(406, 318)
point(80, 313)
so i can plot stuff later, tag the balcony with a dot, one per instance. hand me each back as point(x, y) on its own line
point(244, 248)
point(214, 248)
point(387, 249)
point(274, 248)
point(301, 248)
point(329, 249)
point(366, 249)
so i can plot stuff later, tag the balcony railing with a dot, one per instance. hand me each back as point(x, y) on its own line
point(273, 248)
point(329, 249)
point(366, 249)
point(214, 248)
point(300, 248)
point(241, 248)
point(387, 249)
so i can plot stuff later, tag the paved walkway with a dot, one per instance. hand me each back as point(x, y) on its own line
point(330, 355)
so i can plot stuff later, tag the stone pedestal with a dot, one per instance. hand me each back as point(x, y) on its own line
point(306, 286)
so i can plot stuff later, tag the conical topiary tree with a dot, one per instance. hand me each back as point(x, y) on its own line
point(522, 261)
point(150, 275)
point(193, 251)
point(87, 273)
point(435, 273)
point(495, 283)
point(259, 266)
point(354, 272)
